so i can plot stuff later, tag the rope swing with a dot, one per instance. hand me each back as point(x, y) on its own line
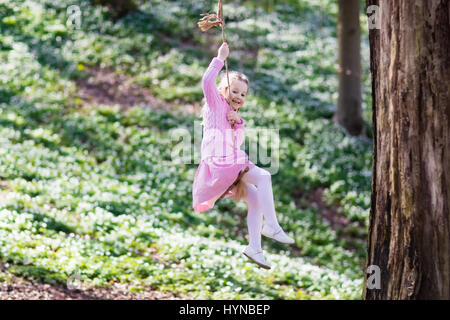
point(208, 21)
point(212, 20)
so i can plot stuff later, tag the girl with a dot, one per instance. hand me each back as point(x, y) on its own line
point(221, 162)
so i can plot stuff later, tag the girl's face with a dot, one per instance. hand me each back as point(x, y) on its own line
point(238, 92)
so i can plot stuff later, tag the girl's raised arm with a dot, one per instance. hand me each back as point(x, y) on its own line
point(210, 91)
point(209, 78)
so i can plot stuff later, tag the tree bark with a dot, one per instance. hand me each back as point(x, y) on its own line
point(409, 231)
point(348, 112)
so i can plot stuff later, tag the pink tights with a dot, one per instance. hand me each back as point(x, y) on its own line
point(260, 203)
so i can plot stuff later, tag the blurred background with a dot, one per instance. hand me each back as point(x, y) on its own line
point(91, 205)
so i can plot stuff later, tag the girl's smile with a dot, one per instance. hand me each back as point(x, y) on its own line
point(237, 94)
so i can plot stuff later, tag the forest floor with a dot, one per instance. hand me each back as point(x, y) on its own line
point(105, 86)
point(13, 287)
point(102, 86)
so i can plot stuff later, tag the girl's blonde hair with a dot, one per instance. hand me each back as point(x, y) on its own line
point(234, 75)
point(240, 190)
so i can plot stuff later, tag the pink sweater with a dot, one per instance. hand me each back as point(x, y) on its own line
point(217, 131)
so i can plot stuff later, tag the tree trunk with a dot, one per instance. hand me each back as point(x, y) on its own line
point(348, 112)
point(409, 232)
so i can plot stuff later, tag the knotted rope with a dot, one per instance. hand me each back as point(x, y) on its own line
point(210, 20)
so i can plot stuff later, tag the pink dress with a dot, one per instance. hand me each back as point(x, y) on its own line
point(220, 163)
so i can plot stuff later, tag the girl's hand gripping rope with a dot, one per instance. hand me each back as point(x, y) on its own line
point(224, 51)
point(232, 117)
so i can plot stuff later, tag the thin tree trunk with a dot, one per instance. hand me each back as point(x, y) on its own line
point(409, 232)
point(348, 112)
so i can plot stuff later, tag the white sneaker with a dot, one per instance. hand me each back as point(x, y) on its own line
point(278, 235)
point(256, 256)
